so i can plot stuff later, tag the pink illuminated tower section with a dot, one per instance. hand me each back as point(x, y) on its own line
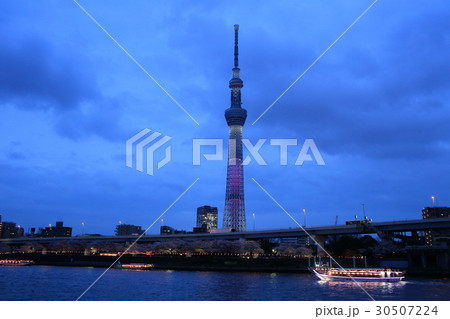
point(234, 213)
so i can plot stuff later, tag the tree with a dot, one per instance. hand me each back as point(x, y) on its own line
point(166, 247)
point(224, 246)
point(250, 247)
point(267, 245)
point(31, 248)
point(105, 247)
point(59, 245)
point(140, 248)
point(4, 248)
point(304, 251)
point(351, 246)
point(388, 248)
point(285, 249)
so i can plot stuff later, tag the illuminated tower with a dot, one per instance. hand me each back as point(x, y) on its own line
point(234, 213)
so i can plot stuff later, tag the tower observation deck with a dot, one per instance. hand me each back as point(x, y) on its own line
point(234, 212)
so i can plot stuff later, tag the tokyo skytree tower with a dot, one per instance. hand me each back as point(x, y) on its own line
point(234, 213)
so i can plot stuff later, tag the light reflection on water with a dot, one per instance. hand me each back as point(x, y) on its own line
point(379, 288)
point(67, 283)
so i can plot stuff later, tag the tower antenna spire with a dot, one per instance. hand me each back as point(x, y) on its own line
point(236, 49)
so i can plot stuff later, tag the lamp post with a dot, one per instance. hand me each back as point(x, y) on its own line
point(254, 221)
point(82, 231)
point(433, 199)
point(304, 217)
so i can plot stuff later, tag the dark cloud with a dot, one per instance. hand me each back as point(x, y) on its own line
point(99, 117)
point(388, 102)
point(37, 76)
point(33, 75)
point(14, 152)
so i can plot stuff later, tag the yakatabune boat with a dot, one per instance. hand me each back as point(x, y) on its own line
point(358, 274)
point(13, 262)
point(137, 266)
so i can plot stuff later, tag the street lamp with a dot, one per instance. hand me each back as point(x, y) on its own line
point(253, 221)
point(82, 225)
point(304, 217)
point(433, 199)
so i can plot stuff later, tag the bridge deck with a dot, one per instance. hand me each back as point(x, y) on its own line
point(392, 226)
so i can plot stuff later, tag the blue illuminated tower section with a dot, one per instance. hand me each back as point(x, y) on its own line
point(234, 213)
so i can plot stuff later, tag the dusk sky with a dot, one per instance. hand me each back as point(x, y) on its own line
point(376, 105)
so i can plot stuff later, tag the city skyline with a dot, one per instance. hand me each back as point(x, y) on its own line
point(375, 104)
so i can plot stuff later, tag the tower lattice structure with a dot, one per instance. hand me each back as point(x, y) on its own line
point(234, 212)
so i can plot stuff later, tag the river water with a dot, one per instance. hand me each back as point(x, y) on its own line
point(68, 283)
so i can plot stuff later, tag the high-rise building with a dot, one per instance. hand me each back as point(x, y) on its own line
point(128, 230)
point(10, 230)
point(436, 237)
point(166, 230)
point(56, 231)
point(207, 215)
point(234, 212)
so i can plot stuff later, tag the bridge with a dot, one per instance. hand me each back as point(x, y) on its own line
point(322, 232)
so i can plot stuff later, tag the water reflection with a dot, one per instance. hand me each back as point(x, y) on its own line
point(67, 283)
point(372, 288)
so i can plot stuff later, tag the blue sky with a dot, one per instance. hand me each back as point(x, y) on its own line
point(376, 106)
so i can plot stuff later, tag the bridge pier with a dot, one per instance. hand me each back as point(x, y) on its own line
point(423, 259)
point(320, 240)
point(445, 263)
point(44, 248)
